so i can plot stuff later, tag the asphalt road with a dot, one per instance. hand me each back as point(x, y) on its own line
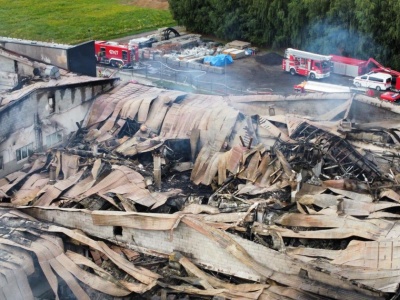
point(248, 73)
point(243, 75)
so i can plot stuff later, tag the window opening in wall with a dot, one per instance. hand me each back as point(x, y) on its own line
point(271, 111)
point(51, 103)
point(117, 230)
point(24, 152)
point(54, 138)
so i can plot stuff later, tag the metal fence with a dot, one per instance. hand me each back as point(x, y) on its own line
point(191, 80)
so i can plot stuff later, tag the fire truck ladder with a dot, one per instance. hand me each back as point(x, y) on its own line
point(306, 55)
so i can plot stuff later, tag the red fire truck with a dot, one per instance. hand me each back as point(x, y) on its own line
point(355, 67)
point(313, 65)
point(348, 66)
point(115, 54)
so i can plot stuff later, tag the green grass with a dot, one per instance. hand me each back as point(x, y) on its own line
point(76, 21)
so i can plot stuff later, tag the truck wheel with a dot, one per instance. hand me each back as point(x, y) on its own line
point(293, 72)
point(378, 88)
point(312, 76)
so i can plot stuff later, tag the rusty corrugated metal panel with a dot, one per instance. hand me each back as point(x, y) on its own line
point(130, 108)
point(13, 178)
point(137, 97)
point(69, 164)
point(182, 118)
point(342, 226)
point(369, 254)
point(113, 180)
point(347, 206)
point(390, 194)
point(141, 196)
point(54, 191)
point(55, 263)
point(80, 188)
point(268, 270)
point(294, 122)
point(30, 189)
point(274, 131)
point(159, 108)
point(97, 108)
point(251, 170)
point(134, 146)
point(145, 105)
point(236, 159)
point(102, 110)
point(128, 147)
point(213, 138)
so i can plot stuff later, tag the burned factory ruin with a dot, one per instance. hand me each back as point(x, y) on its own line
point(116, 189)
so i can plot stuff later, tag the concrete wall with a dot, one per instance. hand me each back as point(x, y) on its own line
point(7, 65)
point(8, 81)
point(25, 70)
point(305, 105)
point(370, 109)
point(184, 239)
point(79, 59)
point(8, 76)
point(35, 50)
point(12, 69)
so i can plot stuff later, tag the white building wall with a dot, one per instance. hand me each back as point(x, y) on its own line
point(17, 119)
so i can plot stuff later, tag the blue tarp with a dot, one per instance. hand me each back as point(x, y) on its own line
point(219, 60)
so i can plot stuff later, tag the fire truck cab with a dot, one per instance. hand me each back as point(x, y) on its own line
point(115, 54)
point(314, 66)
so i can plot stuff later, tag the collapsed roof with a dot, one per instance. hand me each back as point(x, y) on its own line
point(253, 197)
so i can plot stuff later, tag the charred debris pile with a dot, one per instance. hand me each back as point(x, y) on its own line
point(165, 195)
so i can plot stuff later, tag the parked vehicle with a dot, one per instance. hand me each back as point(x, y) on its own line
point(374, 80)
point(125, 55)
point(390, 96)
point(313, 86)
point(348, 66)
point(356, 67)
point(379, 68)
point(115, 54)
point(312, 65)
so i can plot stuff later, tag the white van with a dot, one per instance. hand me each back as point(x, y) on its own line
point(374, 80)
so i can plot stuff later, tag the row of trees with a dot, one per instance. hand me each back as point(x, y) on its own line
point(355, 28)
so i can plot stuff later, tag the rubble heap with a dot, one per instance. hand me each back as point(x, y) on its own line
point(161, 193)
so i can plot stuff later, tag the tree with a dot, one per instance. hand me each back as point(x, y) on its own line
point(277, 34)
point(193, 14)
point(357, 28)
